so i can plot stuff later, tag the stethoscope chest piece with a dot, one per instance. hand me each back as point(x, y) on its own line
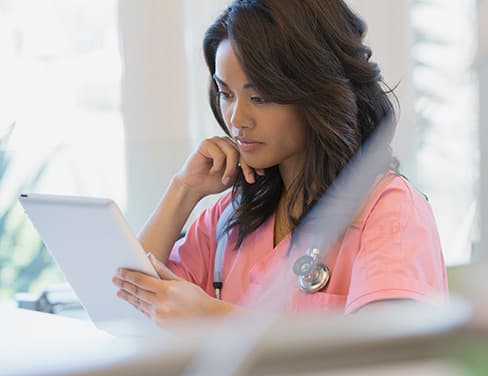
point(313, 275)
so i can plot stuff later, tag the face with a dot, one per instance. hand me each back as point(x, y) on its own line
point(267, 133)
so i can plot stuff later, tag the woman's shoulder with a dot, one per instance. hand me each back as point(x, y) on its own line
point(392, 192)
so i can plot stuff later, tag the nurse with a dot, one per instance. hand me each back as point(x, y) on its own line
point(293, 87)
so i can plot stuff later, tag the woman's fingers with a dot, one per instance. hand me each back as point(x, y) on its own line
point(136, 302)
point(231, 158)
point(247, 171)
point(141, 291)
point(134, 290)
point(172, 299)
point(141, 280)
point(214, 152)
point(226, 159)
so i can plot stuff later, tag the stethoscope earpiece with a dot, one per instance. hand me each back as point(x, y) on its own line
point(313, 275)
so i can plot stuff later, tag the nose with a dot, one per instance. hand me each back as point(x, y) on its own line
point(241, 116)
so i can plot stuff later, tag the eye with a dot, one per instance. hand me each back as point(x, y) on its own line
point(222, 95)
point(258, 100)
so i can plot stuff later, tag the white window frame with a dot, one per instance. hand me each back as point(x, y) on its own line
point(481, 253)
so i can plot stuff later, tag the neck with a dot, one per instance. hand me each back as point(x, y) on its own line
point(282, 224)
point(285, 199)
point(289, 170)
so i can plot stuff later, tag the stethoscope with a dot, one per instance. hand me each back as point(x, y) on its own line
point(312, 274)
point(344, 198)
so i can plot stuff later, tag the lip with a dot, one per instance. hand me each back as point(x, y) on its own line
point(247, 144)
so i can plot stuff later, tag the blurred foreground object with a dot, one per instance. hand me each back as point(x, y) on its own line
point(402, 337)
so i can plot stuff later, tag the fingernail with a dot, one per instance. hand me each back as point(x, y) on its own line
point(226, 180)
point(149, 254)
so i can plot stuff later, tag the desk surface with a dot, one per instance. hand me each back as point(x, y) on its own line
point(33, 343)
point(403, 340)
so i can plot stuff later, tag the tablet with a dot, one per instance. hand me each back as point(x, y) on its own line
point(89, 240)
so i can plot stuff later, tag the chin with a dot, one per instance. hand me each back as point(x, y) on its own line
point(259, 165)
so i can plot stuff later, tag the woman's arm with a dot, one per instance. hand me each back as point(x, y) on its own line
point(163, 227)
point(211, 169)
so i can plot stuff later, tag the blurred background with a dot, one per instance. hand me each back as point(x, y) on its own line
point(107, 98)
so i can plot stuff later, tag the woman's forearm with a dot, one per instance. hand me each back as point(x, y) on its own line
point(160, 232)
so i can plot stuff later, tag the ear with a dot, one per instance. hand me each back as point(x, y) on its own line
point(163, 270)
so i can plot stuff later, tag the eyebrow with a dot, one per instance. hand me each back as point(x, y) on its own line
point(246, 86)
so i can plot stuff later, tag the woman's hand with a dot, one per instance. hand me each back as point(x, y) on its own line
point(214, 167)
point(167, 299)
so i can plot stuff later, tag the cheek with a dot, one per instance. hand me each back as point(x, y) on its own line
point(301, 136)
point(290, 130)
point(226, 115)
point(294, 142)
point(298, 132)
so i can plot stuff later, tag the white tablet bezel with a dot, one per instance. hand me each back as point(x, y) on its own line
point(89, 239)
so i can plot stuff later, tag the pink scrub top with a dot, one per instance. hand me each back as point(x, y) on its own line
point(390, 251)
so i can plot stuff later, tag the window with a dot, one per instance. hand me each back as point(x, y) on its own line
point(60, 77)
point(447, 118)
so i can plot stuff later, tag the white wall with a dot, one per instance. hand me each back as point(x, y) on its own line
point(389, 36)
point(199, 15)
point(154, 94)
point(164, 93)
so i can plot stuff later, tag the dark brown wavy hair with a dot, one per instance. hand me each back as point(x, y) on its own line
point(308, 53)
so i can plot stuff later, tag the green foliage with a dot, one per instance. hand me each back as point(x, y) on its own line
point(25, 264)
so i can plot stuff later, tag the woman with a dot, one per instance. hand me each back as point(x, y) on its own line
point(293, 87)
